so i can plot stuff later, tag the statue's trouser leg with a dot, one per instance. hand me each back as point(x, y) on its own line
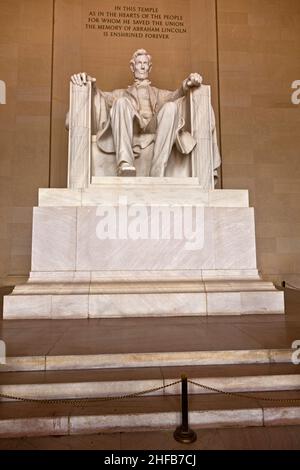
point(122, 115)
point(167, 125)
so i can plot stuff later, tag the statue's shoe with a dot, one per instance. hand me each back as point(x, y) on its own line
point(126, 170)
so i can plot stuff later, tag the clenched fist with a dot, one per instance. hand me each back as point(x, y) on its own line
point(82, 79)
point(193, 80)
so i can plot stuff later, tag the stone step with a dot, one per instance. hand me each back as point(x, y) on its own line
point(142, 299)
point(148, 413)
point(135, 286)
point(108, 190)
point(99, 383)
point(147, 359)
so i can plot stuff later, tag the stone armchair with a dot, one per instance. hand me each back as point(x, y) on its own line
point(86, 160)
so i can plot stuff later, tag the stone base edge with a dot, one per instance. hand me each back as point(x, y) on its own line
point(90, 424)
point(119, 305)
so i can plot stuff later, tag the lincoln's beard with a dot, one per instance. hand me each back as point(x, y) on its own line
point(141, 75)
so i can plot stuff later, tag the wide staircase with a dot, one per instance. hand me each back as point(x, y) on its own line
point(73, 377)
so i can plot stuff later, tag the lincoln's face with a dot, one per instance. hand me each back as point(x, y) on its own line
point(141, 67)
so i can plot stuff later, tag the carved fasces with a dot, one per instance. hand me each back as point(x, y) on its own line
point(2, 352)
point(2, 92)
point(79, 158)
point(201, 129)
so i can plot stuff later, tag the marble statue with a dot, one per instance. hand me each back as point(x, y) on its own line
point(127, 121)
point(118, 242)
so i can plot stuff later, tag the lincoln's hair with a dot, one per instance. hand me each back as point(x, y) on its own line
point(138, 53)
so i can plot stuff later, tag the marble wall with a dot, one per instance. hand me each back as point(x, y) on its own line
point(25, 67)
point(260, 127)
point(247, 51)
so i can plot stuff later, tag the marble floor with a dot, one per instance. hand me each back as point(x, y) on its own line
point(104, 336)
point(80, 337)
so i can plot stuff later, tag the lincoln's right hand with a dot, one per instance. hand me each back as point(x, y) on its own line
point(82, 79)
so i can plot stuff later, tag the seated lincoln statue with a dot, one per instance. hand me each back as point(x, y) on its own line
point(128, 122)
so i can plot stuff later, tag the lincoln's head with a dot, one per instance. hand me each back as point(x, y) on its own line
point(141, 64)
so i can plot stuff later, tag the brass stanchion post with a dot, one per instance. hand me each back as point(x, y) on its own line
point(183, 433)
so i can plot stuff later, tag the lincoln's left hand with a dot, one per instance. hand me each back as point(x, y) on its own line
point(193, 80)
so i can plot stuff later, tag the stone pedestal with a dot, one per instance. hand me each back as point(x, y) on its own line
point(142, 247)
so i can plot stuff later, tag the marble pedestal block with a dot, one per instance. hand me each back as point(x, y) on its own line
point(122, 249)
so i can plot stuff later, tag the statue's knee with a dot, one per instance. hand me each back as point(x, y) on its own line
point(169, 108)
point(122, 102)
